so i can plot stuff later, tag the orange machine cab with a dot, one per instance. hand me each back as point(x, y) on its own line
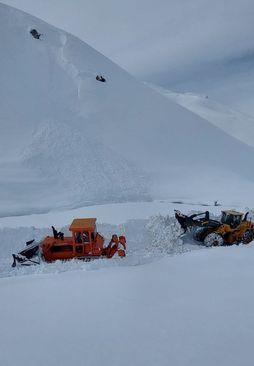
point(85, 242)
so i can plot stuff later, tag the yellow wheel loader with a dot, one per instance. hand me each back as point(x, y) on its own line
point(234, 228)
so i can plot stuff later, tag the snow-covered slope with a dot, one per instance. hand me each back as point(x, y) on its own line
point(229, 81)
point(169, 38)
point(235, 123)
point(204, 46)
point(67, 139)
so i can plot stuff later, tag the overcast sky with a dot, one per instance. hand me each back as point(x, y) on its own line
point(153, 38)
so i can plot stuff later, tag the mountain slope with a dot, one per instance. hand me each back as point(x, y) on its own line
point(67, 139)
point(229, 81)
point(234, 123)
point(204, 47)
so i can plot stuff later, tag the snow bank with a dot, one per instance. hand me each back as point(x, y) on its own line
point(165, 234)
point(147, 240)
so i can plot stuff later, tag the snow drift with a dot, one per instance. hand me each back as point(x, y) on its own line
point(68, 140)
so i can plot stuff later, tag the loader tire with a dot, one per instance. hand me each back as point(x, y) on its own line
point(213, 239)
point(247, 237)
point(199, 234)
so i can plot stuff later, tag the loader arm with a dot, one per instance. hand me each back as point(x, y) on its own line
point(200, 219)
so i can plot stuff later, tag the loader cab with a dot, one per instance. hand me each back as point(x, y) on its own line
point(86, 241)
point(231, 218)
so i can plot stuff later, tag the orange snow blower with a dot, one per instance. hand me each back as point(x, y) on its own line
point(84, 243)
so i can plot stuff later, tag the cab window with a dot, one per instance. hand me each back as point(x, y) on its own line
point(232, 220)
point(85, 237)
point(78, 238)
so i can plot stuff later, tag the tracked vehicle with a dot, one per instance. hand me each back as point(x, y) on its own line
point(84, 243)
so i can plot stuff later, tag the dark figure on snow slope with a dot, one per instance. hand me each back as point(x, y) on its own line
point(35, 33)
point(100, 78)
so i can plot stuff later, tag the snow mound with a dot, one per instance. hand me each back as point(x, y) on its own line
point(165, 234)
point(87, 169)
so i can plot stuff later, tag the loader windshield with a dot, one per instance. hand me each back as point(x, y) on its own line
point(233, 220)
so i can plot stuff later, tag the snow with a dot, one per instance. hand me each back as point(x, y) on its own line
point(142, 223)
point(119, 213)
point(189, 309)
point(233, 122)
point(204, 47)
point(205, 31)
point(128, 154)
point(229, 81)
point(150, 228)
point(83, 142)
point(170, 301)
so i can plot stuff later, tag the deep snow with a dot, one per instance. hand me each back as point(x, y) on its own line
point(199, 46)
point(150, 228)
point(191, 309)
point(76, 141)
point(69, 141)
point(154, 306)
point(231, 121)
point(150, 234)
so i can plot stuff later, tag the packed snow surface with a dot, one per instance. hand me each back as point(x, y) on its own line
point(196, 308)
point(76, 141)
